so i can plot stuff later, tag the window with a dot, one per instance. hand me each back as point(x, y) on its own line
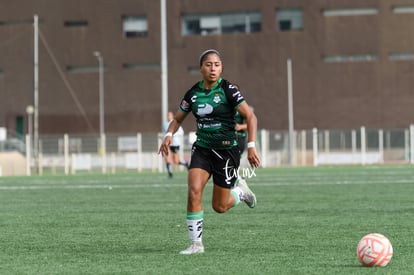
point(289, 19)
point(403, 9)
point(401, 56)
point(349, 12)
point(351, 58)
point(82, 69)
point(17, 22)
point(209, 24)
point(135, 26)
point(76, 23)
point(140, 67)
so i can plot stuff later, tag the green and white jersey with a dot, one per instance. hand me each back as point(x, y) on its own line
point(215, 112)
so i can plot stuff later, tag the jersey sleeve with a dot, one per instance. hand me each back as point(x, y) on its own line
point(187, 102)
point(233, 95)
point(185, 105)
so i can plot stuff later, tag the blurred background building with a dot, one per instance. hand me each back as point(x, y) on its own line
point(352, 61)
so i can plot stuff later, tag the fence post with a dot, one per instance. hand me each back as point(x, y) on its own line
point(264, 146)
point(103, 152)
point(73, 166)
point(381, 144)
point(139, 152)
point(315, 146)
point(28, 156)
point(354, 145)
point(327, 143)
point(363, 146)
point(303, 147)
point(406, 144)
point(66, 152)
point(412, 143)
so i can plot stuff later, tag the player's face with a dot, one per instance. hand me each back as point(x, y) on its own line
point(211, 68)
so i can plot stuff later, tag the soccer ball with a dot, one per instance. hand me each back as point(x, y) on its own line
point(374, 250)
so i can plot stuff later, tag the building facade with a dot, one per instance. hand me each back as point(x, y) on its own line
point(352, 61)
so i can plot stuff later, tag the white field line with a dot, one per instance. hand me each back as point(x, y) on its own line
point(313, 181)
point(86, 186)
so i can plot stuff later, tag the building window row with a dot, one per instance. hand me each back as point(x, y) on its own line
point(125, 66)
point(205, 24)
point(368, 57)
point(365, 11)
point(288, 19)
point(132, 26)
point(218, 23)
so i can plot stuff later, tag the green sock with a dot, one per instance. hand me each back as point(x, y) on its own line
point(236, 197)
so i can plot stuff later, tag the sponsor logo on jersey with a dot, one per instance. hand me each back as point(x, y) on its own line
point(204, 109)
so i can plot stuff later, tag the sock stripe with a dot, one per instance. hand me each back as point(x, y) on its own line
point(236, 197)
point(195, 215)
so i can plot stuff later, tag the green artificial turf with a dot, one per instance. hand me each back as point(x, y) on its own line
point(307, 221)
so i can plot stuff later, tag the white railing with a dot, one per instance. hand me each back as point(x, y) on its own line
point(70, 154)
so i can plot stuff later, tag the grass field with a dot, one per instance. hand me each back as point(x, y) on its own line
point(308, 221)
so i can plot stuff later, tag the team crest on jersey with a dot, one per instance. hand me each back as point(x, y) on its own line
point(216, 98)
point(204, 109)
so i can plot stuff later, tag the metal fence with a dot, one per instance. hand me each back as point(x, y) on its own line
point(70, 154)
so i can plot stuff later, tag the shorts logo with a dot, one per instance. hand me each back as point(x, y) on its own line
point(232, 172)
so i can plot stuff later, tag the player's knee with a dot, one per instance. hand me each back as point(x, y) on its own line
point(220, 207)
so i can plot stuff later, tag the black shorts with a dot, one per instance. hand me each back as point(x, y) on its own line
point(174, 149)
point(222, 164)
point(241, 142)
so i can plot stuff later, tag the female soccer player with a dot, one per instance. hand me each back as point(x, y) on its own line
point(214, 102)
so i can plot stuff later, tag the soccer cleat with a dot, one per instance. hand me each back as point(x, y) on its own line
point(248, 196)
point(194, 248)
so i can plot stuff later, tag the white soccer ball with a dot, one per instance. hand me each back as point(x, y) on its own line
point(374, 250)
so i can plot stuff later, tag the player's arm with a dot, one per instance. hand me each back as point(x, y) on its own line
point(251, 122)
point(172, 128)
point(176, 122)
